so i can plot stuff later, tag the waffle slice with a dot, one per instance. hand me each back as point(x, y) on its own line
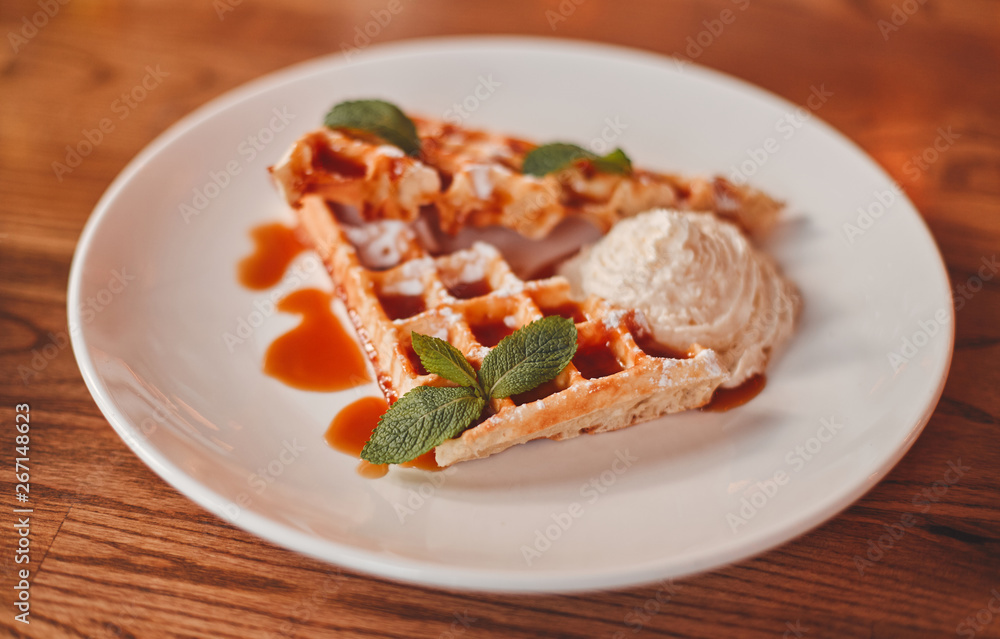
point(473, 178)
point(392, 286)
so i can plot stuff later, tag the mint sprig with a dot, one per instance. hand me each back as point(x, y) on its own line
point(379, 118)
point(556, 156)
point(428, 415)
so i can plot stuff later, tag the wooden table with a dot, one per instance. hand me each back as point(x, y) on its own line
point(117, 552)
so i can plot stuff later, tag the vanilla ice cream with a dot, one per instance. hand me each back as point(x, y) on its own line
point(698, 280)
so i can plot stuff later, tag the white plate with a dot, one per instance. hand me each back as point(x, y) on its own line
point(152, 352)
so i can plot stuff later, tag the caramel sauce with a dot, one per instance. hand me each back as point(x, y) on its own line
point(396, 168)
point(539, 392)
point(275, 246)
point(491, 333)
point(424, 462)
point(468, 290)
point(446, 180)
point(372, 471)
point(353, 427)
point(330, 162)
point(418, 366)
point(648, 344)
point(597, 360)
point(655, 349)
point(576, 200)
point(318, 354)
point(727, 398)
point(568, 310)
point(402, 306)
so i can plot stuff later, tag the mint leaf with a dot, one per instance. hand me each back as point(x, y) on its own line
point(378, 118)
point(420, 420)
point(614, 162)
point(532, 355)
point(549, 158)
point(552, 157)
point(440, 357)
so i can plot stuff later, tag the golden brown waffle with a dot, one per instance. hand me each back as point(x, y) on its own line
point(473, 177)
point(392, 286)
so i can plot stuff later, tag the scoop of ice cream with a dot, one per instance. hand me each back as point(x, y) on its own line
point(698, 280)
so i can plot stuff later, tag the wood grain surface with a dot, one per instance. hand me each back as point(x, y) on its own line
point(116, 552)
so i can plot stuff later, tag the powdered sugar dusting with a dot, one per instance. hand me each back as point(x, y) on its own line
point(481, 182)
point(380, 244)
point(614, 318)
point(390, 151)
point(410, 287)
point(472, 271)
point(416, 268)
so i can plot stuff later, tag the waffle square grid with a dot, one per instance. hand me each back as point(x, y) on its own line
point(473, 299)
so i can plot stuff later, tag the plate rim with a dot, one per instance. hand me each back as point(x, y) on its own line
point(427, 573)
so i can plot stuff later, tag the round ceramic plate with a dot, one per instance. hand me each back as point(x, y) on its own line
point(153, 295)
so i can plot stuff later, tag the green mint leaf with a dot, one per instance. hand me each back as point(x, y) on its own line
point(420, 420)
point(378, 118)
point(440, 357)
point(614, 162)
point(532, 355)
point(549, 158)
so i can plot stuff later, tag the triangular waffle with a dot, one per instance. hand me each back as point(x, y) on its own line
point(391, 284)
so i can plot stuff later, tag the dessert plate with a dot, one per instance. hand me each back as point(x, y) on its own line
point(172, 347)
